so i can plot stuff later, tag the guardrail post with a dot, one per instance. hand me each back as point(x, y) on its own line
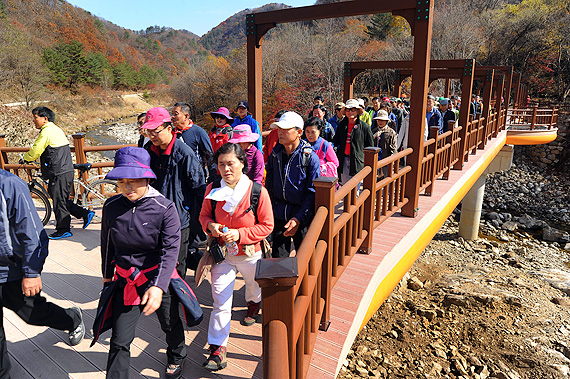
point(276, 277)
point(278, 367)
point(553, 118)
point(80, 155)
point(3, 155)
point(533, 121)
point(324, 196)
point(370, 159)
point(433, 133)
point(449, 158)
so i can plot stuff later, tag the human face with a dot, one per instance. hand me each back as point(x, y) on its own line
point(288, 136)
point(376, 104)
point(339, 112)
point(242, 112)
point(312, 133)
point(351, 113)
point(381, 123)
point(140, 123)
point(443, 107)
point(230, 168)
point(160, 136)
point(39, 122)
point(318, 113)
point(179, 118)
point(133, 189)
point(220, 120)
point(430, 104)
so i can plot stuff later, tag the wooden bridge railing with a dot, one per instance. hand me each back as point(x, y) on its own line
point(533, 118)
point(296, 291)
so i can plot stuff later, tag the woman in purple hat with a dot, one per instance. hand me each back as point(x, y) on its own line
point(142, 264)
point(244, 137)
point(222, 131)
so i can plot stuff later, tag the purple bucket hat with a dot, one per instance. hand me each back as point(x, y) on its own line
point(222, 111)
point(131, 163)
point(243, 133)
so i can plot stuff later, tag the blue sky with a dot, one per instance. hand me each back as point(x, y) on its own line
point(196, 16)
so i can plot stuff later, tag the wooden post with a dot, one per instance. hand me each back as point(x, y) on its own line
point(3, 155)
point(533, 122)
point(498, 105)
point(449, 140)
point(447, 85)
point(324, 196)
point(397, 91)
point(433, 133)
point(370, 159)
point(80, 155)
point(276, 331)
point(420, 73)
point(466, 90)
point(276, 277)
point(348, 87)
point(486, 107)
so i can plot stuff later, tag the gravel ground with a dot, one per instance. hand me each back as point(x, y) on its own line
point(497, 307)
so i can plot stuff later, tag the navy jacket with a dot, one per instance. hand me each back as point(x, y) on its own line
point(179, 177)
point(254, 128)
point(360, 137)
point(23, 240)
point(290, 185)
point(140, 234)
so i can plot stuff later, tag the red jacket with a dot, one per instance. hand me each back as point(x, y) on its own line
point(250, 232)
point(219, 136)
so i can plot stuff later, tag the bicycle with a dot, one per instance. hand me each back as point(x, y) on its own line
point(90, 194)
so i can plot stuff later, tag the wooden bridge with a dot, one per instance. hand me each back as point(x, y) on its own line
point(358, 246)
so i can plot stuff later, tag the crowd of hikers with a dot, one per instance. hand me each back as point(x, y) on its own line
point(183, 189)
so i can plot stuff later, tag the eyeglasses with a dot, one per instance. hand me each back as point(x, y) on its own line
point(140, 123)
point(351, 110)
point(154, 133)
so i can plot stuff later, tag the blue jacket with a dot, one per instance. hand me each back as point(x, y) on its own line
point(433, 119)
point(290, 185)
point(179, 177)
point(254, 128)
point(23, 240)
point(334, 122)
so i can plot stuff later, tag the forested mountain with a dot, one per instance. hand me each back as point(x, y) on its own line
point(52, 41)
point(230, 34)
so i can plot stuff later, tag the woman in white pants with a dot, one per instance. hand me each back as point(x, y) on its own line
point(228, 205)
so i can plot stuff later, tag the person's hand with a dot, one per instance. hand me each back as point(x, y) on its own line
point(151, 300)
point(215, 229)
point(105, 280)
point(230, 236)
point(31, 286)
point(291, 227)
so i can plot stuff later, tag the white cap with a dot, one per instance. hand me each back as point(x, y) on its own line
point(289, 120)
point(352, 103)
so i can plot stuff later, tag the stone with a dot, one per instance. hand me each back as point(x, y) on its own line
point(458, 300)
point(492, 216)
point(435, 369)
point(415, 284)
point(562, 301)
point(564, 370)
point(510, 226)
point(555, 235)
point(362, 371)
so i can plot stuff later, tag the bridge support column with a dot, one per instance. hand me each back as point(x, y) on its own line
point(473, 200)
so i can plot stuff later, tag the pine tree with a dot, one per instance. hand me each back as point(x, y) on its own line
point(379, 26)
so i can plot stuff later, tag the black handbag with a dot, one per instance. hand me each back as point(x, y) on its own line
point(217, 252)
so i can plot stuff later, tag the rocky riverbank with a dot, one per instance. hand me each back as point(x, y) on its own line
point(497, 307)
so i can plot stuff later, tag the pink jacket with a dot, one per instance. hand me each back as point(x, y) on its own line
point(250, 232)
point(328, 159)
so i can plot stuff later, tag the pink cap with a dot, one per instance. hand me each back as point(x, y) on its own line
point(156, 117)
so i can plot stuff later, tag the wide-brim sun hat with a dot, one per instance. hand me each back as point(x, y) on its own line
point(382, 115)
point(131, 163)
point(289, 120)
point(222, 111)
point(156, 117)
point(352, 103)
point(243, 133)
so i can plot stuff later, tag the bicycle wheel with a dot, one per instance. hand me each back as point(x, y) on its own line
point(42, 204)
point(98, 191)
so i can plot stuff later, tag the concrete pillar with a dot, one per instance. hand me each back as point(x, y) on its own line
point(471, 210)
point(473, 200)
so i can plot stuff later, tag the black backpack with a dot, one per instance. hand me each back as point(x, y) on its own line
point(253, 199)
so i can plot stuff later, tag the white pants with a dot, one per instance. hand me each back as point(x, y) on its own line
point(223, 281)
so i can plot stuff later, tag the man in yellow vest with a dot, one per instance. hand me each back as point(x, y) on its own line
point(52, 147)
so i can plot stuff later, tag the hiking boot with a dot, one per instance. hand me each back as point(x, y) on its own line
point(252, 312)
point(59, 235)
point(174, 371)
point(87, 219)
point(76, 335)
point(217, 359)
